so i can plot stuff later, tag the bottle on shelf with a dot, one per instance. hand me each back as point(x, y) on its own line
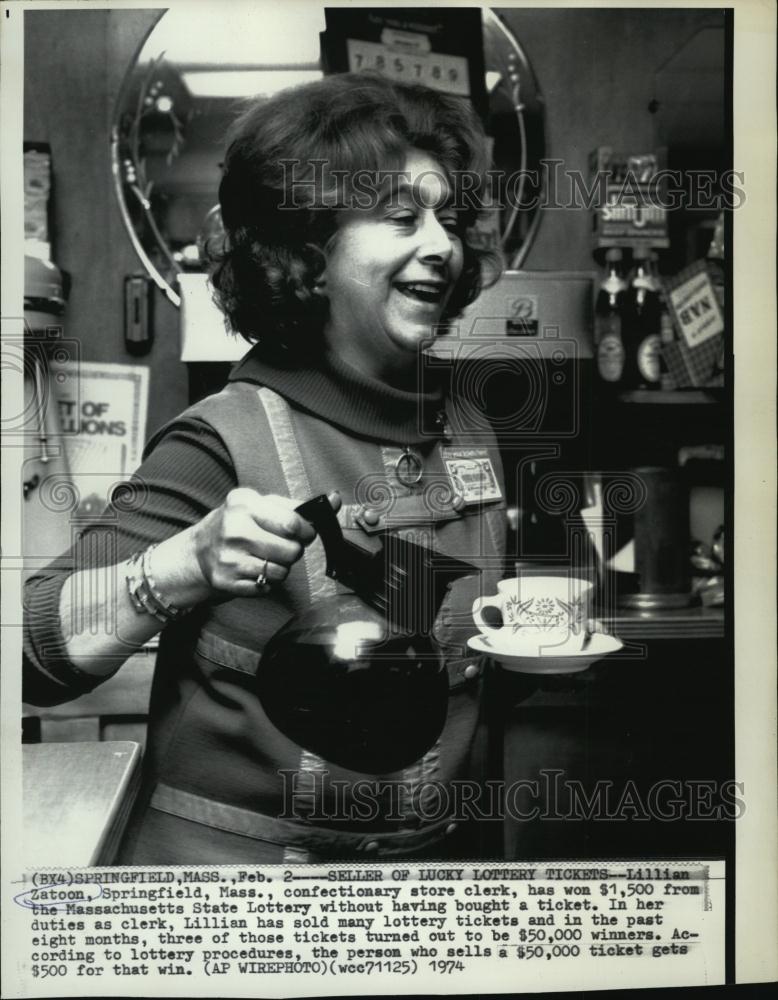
point(608, 321)
point(666, 336)
point(716, 270)
point(715, 261)
point(641, 329)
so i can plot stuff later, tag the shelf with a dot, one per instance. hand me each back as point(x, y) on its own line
point(671, 397)
point(665, 623)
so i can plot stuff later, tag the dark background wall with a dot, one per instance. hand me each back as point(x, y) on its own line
point(599, 70)
point(596, 68)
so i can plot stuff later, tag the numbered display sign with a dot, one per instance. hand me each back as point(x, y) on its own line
point(442, 49)
point(440, 71)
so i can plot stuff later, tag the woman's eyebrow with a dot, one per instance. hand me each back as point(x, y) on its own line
point(394, 189)
point(406, 190)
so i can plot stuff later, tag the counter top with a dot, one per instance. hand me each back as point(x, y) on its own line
point(77, 797)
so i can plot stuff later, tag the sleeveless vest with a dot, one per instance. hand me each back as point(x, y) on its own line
point(221, 784)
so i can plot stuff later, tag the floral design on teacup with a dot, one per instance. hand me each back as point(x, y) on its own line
point(547, 614)
point(576, 614)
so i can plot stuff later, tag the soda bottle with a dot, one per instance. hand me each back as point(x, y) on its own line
point(666, 336)
point(715, 261)
point(608, 319)
point(642, 325)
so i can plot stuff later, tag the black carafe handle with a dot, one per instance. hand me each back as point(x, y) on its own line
point(318, 511)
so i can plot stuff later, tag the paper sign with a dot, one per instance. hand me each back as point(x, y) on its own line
point(102, 418)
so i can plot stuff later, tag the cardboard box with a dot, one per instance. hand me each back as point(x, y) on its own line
point(694, 305)
point(693, 367)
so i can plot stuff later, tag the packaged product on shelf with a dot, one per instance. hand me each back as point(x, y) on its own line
point(694, 358)
point(37, 188)
point(629, 189)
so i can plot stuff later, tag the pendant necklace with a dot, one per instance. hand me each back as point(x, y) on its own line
point(408, 468)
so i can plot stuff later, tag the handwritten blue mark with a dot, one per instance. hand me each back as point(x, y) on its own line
point(65, 895)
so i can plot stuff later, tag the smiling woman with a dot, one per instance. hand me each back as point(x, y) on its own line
point(179, 98)
point(351, 169)
point(338, 288)
point(390, 273)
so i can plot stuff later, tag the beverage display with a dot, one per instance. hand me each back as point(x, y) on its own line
point(642, 325)
point(715, 262)
point(666, 338)
point(608, 321)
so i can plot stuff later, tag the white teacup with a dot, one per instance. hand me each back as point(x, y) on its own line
point(533, 613)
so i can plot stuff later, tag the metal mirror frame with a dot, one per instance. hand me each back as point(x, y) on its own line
point(517, 94)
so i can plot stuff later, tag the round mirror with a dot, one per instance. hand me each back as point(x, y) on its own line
point(186, 86)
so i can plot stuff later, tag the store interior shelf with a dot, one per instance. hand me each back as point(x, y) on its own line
point(670, 397)
point(698, 622)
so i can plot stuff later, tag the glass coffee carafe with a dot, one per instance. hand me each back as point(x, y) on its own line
point(357, 679)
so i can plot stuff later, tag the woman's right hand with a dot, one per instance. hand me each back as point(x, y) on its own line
point(219, 557)
point(249, 535)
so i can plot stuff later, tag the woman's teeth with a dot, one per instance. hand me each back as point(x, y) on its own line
point(421, 292)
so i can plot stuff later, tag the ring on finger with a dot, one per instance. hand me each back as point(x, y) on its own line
point(261, 580)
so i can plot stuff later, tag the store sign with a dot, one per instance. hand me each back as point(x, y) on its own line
point(522, 316)
point(102, 419)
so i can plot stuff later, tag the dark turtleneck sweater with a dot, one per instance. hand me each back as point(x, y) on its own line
point(187, 472)
point(359, 404)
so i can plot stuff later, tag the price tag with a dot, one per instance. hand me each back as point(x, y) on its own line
point(434, 69)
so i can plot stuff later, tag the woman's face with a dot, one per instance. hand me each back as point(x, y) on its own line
point(391, 271)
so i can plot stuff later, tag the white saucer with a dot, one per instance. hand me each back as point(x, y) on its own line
point(562, 659)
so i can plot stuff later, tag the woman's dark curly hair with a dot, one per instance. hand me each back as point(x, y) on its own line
point(288, 166)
